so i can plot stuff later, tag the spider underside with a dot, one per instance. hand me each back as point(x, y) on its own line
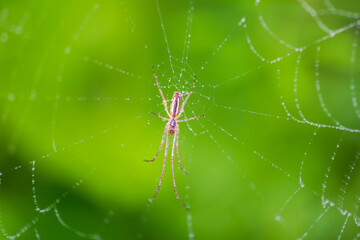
point(172, 128)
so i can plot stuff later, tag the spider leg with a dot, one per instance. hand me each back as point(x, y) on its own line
point(185, 120)
point(173, 174)
point(160, 116)
point(161, 145)
point(183, 104)
point(161, 93)
point(162, 172)
point(177, 150)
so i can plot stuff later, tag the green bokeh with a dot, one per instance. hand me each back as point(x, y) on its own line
point(77, 92)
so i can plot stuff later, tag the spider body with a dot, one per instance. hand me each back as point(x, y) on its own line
point(172, 128)
point(174, 111)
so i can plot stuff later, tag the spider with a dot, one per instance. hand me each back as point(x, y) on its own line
point(172, 128)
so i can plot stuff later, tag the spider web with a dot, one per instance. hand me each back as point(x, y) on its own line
point(277, 150)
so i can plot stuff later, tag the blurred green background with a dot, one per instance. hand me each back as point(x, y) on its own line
point(77, 92)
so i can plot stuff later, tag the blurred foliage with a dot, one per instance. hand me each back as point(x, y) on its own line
point(77, 92)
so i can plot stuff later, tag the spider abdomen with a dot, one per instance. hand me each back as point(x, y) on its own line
point(175, 104)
